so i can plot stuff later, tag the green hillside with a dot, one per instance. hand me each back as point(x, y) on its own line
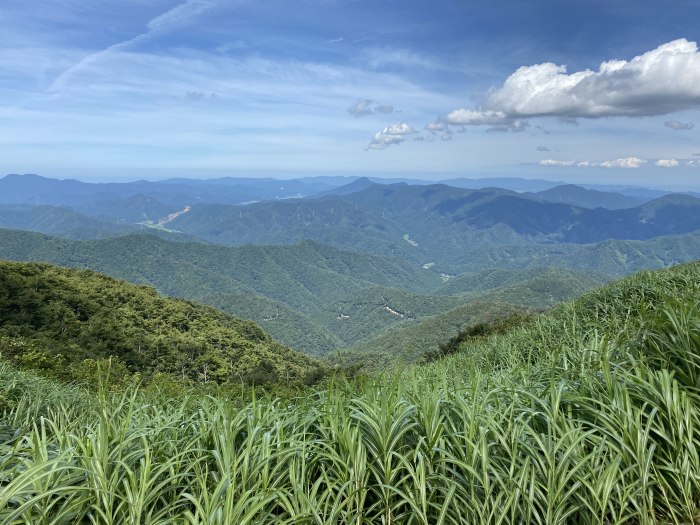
point(285, 324)
point(56, 220)
point(494, 278)
point(498, 295)
point(311, 297)
point(300, 275)
point(316, 299)
point(402, 344)
point(59, 319)
point(588, 414)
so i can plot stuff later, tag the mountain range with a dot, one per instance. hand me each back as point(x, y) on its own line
point(364, 266)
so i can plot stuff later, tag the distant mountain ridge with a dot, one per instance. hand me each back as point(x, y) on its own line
point(589, 198)
point(434, 224)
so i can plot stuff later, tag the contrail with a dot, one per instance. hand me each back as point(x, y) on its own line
point(176, 17)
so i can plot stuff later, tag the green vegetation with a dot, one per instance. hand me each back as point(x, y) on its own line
point(302, 278)
point(285, 324)
point(63, 321)
point(402, 344)
point(59, 221)
point(589, 414)
point(317, 299)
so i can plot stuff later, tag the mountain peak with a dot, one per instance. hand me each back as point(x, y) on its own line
point(355, 186)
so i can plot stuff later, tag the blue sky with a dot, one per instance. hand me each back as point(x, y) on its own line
point(152, 88)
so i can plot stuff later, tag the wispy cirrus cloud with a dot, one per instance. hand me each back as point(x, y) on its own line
point(174, 18)
point(385, 57)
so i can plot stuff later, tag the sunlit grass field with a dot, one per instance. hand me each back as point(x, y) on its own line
point(589, 414)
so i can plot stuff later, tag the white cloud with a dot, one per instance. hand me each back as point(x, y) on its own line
point(437, 125)
point(364, 107)
point(468, 117)
point(629, 162)
point(554, 162)
point(381, 57)
point(399, 128)
point(658, 82)
point(393, 134)
point(674, 124)
point(172, 19)
point(666, 163)
point(361, 108)
point(497, 120)
point(693, 163)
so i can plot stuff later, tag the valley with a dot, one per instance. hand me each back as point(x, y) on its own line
point(336, 271)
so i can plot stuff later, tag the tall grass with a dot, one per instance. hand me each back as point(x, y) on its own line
point(588, 415)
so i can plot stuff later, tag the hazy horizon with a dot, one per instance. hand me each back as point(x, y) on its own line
point(204, 175)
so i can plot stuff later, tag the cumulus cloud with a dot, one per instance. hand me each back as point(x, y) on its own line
point(666, 163)
point(390, 135)
point(693, 163)
point(543, 148)
point(468, 117)
point(674, 124)
point(446, 136)
point(497, 120)
point(629, 162)
point(658, 82)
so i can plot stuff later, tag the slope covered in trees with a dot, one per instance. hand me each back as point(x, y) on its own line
point(63, 321)
point(312, 297)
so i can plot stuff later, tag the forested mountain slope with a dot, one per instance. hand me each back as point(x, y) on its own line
point(57, 318)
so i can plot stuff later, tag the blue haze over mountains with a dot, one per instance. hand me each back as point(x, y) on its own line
point(334, 262)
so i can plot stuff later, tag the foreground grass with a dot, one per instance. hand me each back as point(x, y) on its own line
point(588, 415)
